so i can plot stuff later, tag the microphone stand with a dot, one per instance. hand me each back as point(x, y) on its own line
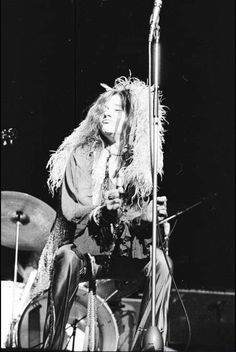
point(180, 212)
point(153, 339)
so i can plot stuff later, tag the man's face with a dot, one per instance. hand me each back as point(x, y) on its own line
point(112, 119)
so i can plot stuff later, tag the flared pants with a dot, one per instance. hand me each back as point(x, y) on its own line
point(71, 268)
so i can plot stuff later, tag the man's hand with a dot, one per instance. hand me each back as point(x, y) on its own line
point(161, 210)
point(162, 207)
point(113, 200)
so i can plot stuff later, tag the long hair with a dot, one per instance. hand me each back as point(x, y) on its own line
point(135, 137)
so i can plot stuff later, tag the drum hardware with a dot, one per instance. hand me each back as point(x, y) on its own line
point(26, 291)
point(110, 296)
point(19, 218)
point(74, 327)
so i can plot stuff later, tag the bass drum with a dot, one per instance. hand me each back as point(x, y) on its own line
point(31, 324)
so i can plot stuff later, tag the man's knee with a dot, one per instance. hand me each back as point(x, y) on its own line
point(163, 262)
point(66, 255)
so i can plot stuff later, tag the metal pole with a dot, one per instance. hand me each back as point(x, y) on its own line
point(153, 339)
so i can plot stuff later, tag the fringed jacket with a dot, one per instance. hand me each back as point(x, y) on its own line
point(76, 199)
point(74, 223)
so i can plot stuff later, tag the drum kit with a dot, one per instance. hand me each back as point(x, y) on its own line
point(25, 226)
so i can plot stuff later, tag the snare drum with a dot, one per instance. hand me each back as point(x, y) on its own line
point(31, 324)
point(7, 305)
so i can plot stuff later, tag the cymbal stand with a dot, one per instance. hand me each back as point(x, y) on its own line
point(19, 219)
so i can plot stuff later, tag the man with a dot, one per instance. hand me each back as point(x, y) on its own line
point(102, 173)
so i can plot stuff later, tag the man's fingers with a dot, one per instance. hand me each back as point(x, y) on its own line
point(162, 210)
point(162, 200)
point(161, 207)
point(112, 194)
point(114, 205)
point(113, 200)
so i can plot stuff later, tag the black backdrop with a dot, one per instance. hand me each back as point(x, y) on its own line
point(54, 55)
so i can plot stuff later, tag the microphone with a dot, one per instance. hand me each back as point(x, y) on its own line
point(154, 18)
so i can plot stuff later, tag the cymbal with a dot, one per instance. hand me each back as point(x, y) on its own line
point(35, 217)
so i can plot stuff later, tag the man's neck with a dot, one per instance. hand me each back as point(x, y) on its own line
point(114, 148)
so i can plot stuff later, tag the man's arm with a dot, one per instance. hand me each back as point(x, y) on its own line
point(76, 193)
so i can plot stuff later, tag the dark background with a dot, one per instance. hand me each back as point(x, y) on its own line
point(54, 55)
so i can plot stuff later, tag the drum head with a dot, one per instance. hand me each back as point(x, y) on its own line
point(31, 324)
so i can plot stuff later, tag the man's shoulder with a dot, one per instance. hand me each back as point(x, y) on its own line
point(82, 155)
